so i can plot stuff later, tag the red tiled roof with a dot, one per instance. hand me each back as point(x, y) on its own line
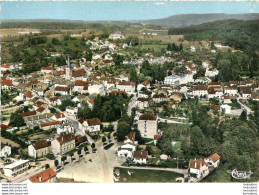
point(4, 127)
point(126, 83)
point(29, 113)
point(217, 108)
point(122, 92)
point(60, 115)
point(145, 83)
point(66, 138)
point(200, 87)
point(131, 136)
point(58, 88)
point(49, 123)
point(91, 101)
point(79, 73)
point(40, 109)
point(39, 103)
point(93, 121)
point(140, 154)
point(5, 66)
point(214, 157)
point(52, 99)
point(111, 81)
point(34, 82)
point(41, 144)
point(196, 164)
point(43, 176)
point(60, 72)
point(28, 94)
point(80, 83)
point(47, 68)
point(7, 82)
point(157, 137)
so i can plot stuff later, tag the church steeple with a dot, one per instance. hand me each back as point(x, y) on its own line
point(68, 68)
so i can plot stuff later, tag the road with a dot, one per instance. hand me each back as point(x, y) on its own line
point(132, 104)
point(26, 175)
point(171, 121)
point(248, 110)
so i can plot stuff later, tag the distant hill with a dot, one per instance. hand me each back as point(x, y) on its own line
point(237, 33)
point(195, 19)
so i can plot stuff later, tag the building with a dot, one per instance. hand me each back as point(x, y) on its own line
point(173, 80)
point(16, 168)
point(130, 138)
point(147, 125)
point(198, 168)
point(68, 69)
point(142, 103)
point(6, 84)
point(127, 150)
point(63, 144)
point(126, 86)
point(39, 148)
point(140, 157)
point(200, 90)
point(94, 124)
point(5, 150)
point(46, 176)
point(213, 160)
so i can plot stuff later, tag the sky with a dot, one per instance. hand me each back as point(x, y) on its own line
point(129, 10)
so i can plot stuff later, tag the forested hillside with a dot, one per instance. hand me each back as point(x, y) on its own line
point(242, 35)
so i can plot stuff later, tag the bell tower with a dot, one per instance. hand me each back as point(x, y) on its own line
point(68, 68)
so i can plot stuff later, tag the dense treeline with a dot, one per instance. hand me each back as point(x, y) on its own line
point(56, 25)
point(242, 35)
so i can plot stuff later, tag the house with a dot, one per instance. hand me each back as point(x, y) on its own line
point(130, 138)
point(62, 90)
point(176, 96)
point(245, 92)
point(81, 140)
point(213, 160)
point(79, 74)
point(47, 69)
point(28, 95)
point(140, 157)
point(28, 113)
point(173, 80)
point(127, 150)
point(59, 116)
point(157, 98)
point(144, 84)
point(226, 108)
point(126, 86)
point(227, 100)
point(200, 90)
point(65, 127)
point(63, 144)
point(94, 124)
point(142, 103)
point(255, 98)
point(49, 125)
point(72, 110)
point(116, 36)
point(156, 138)
point(111, 82)
point(232, 91)
point(53, 100)
point(5, 150)
point(79, 86)
point(198, 168)
point(147, 125)
point(6, 84)
point(16, 168)
point(39, 149)
point(96, 88)
point(46, 176)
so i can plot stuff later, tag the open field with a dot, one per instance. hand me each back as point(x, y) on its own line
point(145, 176)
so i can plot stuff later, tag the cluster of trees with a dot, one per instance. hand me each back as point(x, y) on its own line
point(66, 102)
point(174, 47)
point(35, 40)
point(133, 40)
point(16, 120)
point(108, 108)
point(233, 65)
point(118, 59)
point(55, 41)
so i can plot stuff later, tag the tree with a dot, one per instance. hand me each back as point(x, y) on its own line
point(103, 139)
point(71, 154)
point(79, 152)
point(243, 116)
point(109, 136)
point(93, 146)
point(55, 41)
point(63, 158)
point(16, 120)
point(133, 75)
point(56, 163)
point(47, 166)
point(86, 149)
point(123, 129)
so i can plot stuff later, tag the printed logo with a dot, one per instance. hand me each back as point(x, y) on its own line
point(240, 174)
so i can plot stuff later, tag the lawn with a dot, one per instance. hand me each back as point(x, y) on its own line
point(143, 175)
point(154, 47)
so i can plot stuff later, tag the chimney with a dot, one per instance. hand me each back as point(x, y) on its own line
point(195, 165)
point(62, 138)
point(40, 178)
